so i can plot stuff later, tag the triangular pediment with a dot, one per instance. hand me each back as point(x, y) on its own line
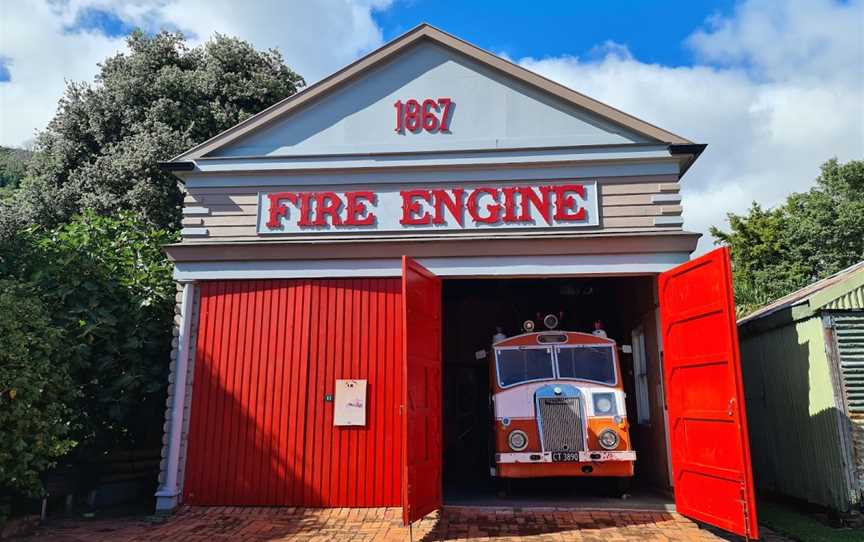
point(494, 105)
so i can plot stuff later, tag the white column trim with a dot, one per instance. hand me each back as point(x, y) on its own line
point(167, 494)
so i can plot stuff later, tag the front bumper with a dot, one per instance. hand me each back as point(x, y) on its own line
point(546, 457)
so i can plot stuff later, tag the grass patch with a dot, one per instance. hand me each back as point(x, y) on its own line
point(789, 522)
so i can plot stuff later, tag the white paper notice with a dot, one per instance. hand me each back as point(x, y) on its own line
point(350, 399)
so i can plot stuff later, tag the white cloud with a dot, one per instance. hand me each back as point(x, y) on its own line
point(315, 39)
point(778, 90)
point(41, 57)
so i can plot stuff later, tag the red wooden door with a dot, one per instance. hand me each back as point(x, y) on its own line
point(705, 395)
point(268, 354)
point(421, 391)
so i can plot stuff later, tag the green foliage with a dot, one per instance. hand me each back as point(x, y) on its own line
point(101, 150)
point(112, 296)
point(811, 236)
point(13, 166)
point(803, 528)
point(83, 235)
point(35, 388)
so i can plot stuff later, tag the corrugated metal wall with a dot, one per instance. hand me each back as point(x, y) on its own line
point(849, 330)
point(793, 418)
point(849, 335)
point(261, 432)
point(851, 300)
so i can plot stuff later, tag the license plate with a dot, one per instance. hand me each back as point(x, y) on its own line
point(565, 456)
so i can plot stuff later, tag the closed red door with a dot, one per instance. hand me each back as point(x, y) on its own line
point(705, 395)
point(268, 354)
point(421, 450)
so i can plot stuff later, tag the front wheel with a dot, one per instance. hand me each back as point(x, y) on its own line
point(622, 487)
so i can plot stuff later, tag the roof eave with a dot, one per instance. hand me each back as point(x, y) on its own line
point(692, 150)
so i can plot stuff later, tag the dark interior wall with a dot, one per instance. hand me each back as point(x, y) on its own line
point(650, 437)
point(473, 308)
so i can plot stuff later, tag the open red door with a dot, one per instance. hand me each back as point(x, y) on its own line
point(705, 395)
point(421, 400)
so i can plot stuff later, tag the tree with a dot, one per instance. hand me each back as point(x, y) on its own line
point(34, 390)
point(101, 150)
point(13, 165)
point(81, 260)
point(811, 236)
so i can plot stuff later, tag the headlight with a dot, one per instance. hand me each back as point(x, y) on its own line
point(518, 440)
point(608, 439)
point(604, 404)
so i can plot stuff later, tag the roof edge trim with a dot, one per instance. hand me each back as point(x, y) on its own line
point(172, 166)
point(410, 38)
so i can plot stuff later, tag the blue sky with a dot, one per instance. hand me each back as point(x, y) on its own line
point(654, 32)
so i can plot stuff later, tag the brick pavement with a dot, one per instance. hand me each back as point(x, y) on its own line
point(217, 524)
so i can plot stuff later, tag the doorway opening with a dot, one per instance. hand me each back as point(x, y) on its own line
point(476, 309)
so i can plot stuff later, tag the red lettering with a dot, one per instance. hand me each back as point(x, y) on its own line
point(410, 208)
point(278, 210)
point(327, 204)
point(446, 103)
point(305, 207)
point(509, 204)
point(529, 197)
point(454, 204)
point(356, 208)
point(565, 203)
point(494, 209)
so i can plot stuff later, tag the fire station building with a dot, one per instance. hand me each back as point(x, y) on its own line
point(348, 254)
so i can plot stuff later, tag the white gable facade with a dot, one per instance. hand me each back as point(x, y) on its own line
point(429, 148)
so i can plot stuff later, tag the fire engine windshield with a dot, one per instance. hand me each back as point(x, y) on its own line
point(524, 365)
point(594, 363)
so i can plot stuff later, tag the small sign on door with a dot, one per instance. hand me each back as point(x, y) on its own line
point(350, 403)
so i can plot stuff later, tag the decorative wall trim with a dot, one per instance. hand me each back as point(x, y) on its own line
point(194, 232)
point(666, 198)
point(483, 266)
point(504, 245)
point(668, 220)
point(195, 211)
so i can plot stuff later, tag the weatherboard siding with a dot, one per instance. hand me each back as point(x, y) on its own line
point(631, 204)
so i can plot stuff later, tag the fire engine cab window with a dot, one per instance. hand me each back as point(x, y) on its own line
point(593, 363)
point(515, 366)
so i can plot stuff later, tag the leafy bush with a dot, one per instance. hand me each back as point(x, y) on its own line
point(35, 389)
point(112, 297)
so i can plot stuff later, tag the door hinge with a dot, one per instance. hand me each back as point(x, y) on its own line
point(746, 511)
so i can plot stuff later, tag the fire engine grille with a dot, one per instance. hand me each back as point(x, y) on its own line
point(560, 418)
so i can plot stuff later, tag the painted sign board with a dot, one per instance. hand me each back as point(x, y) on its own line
point(535, 204)
point(350, 403)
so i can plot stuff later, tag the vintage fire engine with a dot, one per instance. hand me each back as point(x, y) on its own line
point(558, 405)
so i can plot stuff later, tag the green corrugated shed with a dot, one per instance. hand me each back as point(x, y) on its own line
point(802, 359)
